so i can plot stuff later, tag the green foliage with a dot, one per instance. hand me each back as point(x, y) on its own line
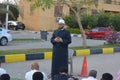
point(103, 19)
point(115, 22)
point(91, 21)
point(88, 21)
point(84, 20)
point(44, 4)
point(74, 30)
point(25, 40)
point(13, 12)
point(71, 21)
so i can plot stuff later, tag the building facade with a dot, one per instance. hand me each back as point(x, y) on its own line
point(112, 6)
point(39, 19)
point(47, 20)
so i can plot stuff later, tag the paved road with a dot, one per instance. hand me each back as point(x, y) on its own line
point(76, 41)
point(102, 63)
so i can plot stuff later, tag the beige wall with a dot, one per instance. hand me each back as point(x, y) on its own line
point(39, 19)
point(109, 7)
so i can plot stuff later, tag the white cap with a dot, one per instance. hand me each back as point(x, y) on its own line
point(61, 21)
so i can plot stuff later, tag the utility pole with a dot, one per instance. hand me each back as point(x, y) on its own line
point(7, 14)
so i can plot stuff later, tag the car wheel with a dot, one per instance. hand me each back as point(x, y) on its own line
point(23, 27)
point(3, 41)
point(15, 28)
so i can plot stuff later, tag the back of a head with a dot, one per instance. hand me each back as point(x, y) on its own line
point(93, 73)
point(37, 76)
point(107, 76)
point(35, 66)
point(5, 77)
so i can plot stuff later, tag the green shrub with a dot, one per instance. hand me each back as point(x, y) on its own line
point(74, 30)
point(70, 21)
point(115, 22)
point(104, 19)
point(86, 20)
point(90, 21)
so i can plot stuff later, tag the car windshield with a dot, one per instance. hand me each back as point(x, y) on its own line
point(94, 30)
point(102, 29)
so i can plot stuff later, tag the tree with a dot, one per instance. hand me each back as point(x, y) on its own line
point(70, 21)
point(75, 5)
point(13, 12)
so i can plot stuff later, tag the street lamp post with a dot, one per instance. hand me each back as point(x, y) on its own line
point(7, 14)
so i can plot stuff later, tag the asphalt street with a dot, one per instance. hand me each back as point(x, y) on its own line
point(76, 41)
point(102, 63)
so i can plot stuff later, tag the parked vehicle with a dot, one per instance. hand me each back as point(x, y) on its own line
point(98, 32)
point(15, 25)
point(5, 36)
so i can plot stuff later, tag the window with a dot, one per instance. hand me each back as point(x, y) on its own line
point(118, 3)
point(58, 11)
point(94, 11)
point(107, 1)
point(95, 0)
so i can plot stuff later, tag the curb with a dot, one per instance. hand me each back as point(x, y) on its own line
point(48, 55)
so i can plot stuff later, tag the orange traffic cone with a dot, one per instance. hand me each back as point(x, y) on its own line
point(84, 72)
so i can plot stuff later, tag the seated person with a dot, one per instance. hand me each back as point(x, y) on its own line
point(37, 76)
point(107, 76)
point(5, 77)
point(63, 75)
point(92, 75)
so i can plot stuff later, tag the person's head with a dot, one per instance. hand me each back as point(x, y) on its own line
point(107, 76)
point(61, 23)
point(37, 76)
point(35, 66)
point(5, 77)
point(93, 73)
point(63, 70)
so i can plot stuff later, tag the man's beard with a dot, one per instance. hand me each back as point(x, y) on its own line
point(61, 27)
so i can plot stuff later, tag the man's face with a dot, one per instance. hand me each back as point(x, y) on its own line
point(60, 25)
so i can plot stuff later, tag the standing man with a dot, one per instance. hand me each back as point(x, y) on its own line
point(61, 38)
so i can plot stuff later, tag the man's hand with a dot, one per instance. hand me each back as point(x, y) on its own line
point(58, 39)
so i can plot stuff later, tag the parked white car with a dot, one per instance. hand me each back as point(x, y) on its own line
point(5, 36)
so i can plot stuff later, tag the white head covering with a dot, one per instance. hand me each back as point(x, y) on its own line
point(61, 21)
